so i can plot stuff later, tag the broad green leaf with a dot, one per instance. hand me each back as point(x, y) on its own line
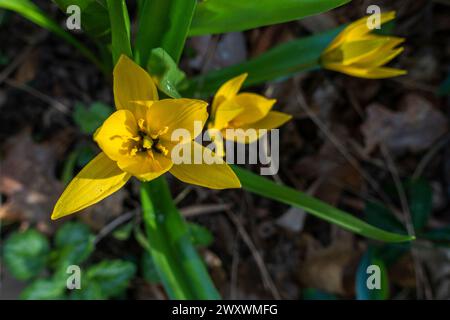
point(94, 17)
point(220, 16)
point(149, 270)
point(26, 254)
point(269, 189)
point(120, 29)
point(112, 276)
point(371, 272)
point(179, 266)
point(420, 195)
point(44, 289)
point(282, 61)
point(90, 290)
point(163, 24)
point(165, 72)
point(200, 236)
point(30, 11)
point(89, 119)
point(74, 243)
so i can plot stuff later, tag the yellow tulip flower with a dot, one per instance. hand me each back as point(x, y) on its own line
point(240, 112)
point(358, 52)
point(136, 141)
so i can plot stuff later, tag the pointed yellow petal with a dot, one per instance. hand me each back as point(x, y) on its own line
point(274, 119)
point(132, 83)
point(171, 114)
point(357, 30)
point(213, 176)
point(146, 166)
point(255, 106)
point(117, 134)
point(228, 91)
point(383, 55)
point(374, 73)
point(225, 112)
point(97, 180)
point(354, 51)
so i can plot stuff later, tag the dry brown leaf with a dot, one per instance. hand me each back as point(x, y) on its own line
point(415, 128)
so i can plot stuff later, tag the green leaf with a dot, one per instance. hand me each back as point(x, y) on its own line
point(94, 17)
point(269, 189)
point(44, 289)
point(163, 24)
point(120, 29)
point(89, 119)
point(165, 72)
point(200, 236)
point(149, 268)
point(420, 196)
point(282, 61)
point(220, 16)
point(74, 243)
point(112, 276)
point(90, 290)
point(30, 11)
point(179, 266)
point(439, 235)
point(26, 254)
point(364, 277)
point(378, 215)
point(123, 232)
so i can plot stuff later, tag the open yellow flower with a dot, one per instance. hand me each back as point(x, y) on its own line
point(136, 140)
point(242, 111)
point(358, 52)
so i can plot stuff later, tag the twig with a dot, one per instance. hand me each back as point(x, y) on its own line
point(110, 227)
point(196, 210)
point(267, 279)
point(429, 155)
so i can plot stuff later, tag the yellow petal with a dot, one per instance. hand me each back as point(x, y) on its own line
point(358, 30)
point(228, 91)
point(132, 83)
point(213, 176)
point(383, 55)
point(170, 114)
point(117, 134)
point(255, 106)
point(372, 73)
point(355, 51)
point(225, 112)
point(146, 166)
point(97, 180)
point(274, 119)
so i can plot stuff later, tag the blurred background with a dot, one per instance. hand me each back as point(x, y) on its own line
point(376, 148)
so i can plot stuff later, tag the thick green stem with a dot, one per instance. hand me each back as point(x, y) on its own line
point(182, 271)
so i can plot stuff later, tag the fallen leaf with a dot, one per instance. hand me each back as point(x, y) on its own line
point(415, 128)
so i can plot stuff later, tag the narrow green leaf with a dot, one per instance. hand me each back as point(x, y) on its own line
point(163, 24)
point(220, 16)
point(282, 61)
point(26, 254)
point(149, 269)
point(120, 29)
point(30, 11)
point(269, 189)
point(165, 72)
point(420, 196)
point(179, 266)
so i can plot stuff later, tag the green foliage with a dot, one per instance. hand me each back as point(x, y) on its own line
point(200, 236)
point(149, 269)
point(378, 215)
point(269, 189)
point(165, 72)
point(123, 232)
point(89, 119)
point(316, 294)
point(363, 292)
point(120, 29)
point(420, 195)
point(220, 16)
point(44, 289)
point(26, 254)
point(74, 243)
point(112, 276)
point(282, 61)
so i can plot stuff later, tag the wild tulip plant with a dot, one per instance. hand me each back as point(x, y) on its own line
point(137, 139)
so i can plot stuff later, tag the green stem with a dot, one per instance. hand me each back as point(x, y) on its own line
point(182, 271)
